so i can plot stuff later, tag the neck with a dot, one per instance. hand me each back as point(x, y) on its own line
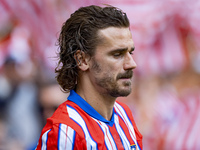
point(102, 103)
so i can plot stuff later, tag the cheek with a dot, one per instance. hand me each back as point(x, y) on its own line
point(110, 73)
point(107, 67)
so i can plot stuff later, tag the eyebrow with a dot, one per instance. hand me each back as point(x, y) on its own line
point(123, 50)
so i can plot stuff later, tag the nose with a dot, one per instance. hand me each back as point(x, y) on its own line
point(129, 62)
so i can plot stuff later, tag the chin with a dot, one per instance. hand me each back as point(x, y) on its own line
point(124, 93)
point(120, 92)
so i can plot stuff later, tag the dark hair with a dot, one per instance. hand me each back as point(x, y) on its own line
point(79, 32)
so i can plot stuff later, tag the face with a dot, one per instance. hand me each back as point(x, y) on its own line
point(111, 67)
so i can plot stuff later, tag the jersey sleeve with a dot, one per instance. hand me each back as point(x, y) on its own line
point(60, 137)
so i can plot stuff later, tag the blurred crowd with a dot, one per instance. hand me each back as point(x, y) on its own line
point(165, 100)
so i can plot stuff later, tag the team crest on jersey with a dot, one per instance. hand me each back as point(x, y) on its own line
point(133, 147)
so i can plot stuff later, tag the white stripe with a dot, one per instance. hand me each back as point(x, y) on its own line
point(62, 137)
point(123, 137)
point(44, 140)
point(109, 141)
point(124, 116)
point(66, 137)
point(70, 138)
point(74, 115)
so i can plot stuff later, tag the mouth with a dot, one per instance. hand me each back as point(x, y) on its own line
point(125, 79)
point(126, 76)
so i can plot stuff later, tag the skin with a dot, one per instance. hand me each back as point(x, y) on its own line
point(107, 75)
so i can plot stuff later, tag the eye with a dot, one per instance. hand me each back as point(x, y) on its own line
point(117, 54)
point(131, 52)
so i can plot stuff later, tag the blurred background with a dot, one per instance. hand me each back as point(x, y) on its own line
point(165, 100)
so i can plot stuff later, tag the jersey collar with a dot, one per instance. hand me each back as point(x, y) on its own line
point(77, 99)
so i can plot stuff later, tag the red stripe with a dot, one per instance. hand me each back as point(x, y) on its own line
point(126, 131)
point(125, 121)
point(92, 126)
point(116, 137)
point(106, 134)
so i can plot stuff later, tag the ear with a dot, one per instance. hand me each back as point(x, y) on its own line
point(81, 60)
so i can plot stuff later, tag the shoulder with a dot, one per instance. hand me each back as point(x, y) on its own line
point(60, 136)
point(61, 131)
point(64, 117)
point(63, 120)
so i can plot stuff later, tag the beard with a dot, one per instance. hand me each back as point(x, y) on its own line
point(110, 84)
point(112, 88)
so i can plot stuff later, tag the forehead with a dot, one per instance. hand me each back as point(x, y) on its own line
point(117, 37)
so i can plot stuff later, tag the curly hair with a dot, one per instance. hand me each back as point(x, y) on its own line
point(79, 32)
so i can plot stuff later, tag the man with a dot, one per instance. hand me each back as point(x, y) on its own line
point(96, 67)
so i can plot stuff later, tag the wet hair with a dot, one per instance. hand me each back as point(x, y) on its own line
point(80, 32)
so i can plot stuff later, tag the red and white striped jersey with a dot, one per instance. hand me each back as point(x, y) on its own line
point(77, 125)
